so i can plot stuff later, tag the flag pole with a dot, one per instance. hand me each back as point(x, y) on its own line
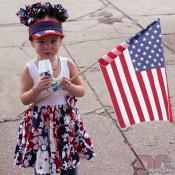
point(51, 93)
point(83, 71)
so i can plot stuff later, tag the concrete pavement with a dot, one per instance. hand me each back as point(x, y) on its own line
point(94, 27)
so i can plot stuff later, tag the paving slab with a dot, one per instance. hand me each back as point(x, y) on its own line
point(78, 9)
point(8, 132)
point(106, 137)
point(12, 35)
point(12, 62)
point(87, 53)
point(170, 73)
point(141, 7)
point(170, 42)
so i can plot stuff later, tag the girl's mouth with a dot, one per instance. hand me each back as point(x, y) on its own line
point(47, 53)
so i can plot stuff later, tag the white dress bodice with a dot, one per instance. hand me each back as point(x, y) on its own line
point(59, 97)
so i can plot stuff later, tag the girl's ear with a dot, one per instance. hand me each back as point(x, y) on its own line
point(60, 39)
point(32, 43)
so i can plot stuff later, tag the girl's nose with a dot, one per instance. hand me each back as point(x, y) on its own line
point(47, 45)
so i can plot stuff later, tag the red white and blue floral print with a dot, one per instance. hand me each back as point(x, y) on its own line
point(52, 138)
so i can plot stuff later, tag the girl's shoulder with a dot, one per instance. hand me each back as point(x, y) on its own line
point(26, 71)
point(70, 62)
point(26, 79)
point(64, 59)
point(30, 63)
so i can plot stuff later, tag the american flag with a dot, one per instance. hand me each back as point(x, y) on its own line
point(136, 78)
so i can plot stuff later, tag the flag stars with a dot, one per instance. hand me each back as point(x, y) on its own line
point(131, 52)
point(147, 62)
point(144, 67)
point(155, 31)
point(155, 46)
point(139, 50)
point(141, 58)
point(162, 59)
point(144, 39)
point(136, 55)
point(139, 64)
point(141, 44)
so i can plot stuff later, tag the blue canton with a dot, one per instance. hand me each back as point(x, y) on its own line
point(146, 48)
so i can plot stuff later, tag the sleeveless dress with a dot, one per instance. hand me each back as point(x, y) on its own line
point(51, 135)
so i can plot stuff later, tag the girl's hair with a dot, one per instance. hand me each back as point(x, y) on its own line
point(37, 11)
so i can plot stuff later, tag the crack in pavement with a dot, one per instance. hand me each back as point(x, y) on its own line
point(161, 14)
point(81, 42)
point(6, 47)
point(88, 14)
point(9, 120)
point(98, 111)
point(11, 25)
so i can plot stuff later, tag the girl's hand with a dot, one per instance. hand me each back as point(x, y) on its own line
point(65, 84)
point(43, 83)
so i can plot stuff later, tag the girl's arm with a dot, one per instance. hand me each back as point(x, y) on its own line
point(29, 91)
point(75, 86)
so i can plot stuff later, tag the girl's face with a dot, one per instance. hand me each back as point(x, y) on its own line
point(47, 47)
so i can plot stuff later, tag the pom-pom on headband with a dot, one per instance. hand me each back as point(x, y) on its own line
point(40, 10)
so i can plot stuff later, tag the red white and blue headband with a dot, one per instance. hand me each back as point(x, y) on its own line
point(44, 28)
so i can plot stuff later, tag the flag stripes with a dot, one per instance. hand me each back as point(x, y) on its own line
point(108, 81)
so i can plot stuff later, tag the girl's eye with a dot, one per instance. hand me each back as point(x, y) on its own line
point(54, 41)
point(40, 42)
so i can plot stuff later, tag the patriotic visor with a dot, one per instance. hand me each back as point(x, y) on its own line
point(44, 28)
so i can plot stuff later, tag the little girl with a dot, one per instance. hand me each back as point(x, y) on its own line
point(51, 136)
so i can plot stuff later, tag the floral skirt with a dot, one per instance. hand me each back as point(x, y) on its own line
point(52, 138)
